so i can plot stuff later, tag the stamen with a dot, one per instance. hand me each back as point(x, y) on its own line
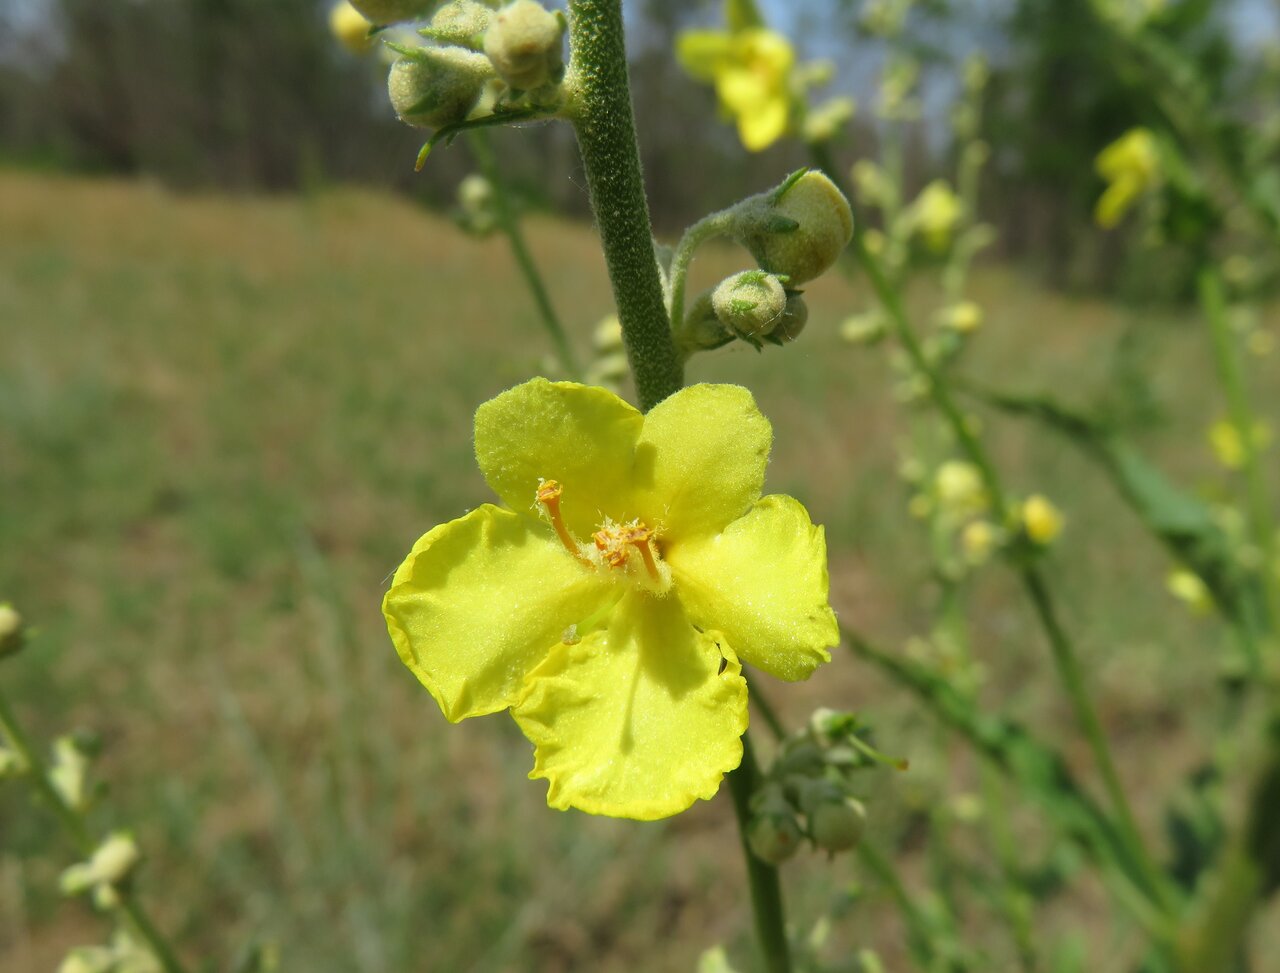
point(639, 537)
point(549, 496)
point(613, 545)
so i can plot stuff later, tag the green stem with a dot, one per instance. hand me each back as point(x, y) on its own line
point(75, 825)
point(605, 126)
point(482, 148)
point(1231, 375)
point(698, 234)
point(766, 890)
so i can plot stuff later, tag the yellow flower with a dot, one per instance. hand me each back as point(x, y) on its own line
point(350, 28)
point(959, 488)
point(1187, 587)
point(935, 214)
point(963, 317)
point(751, 71)
point(609, 602)
point(1228, 445)
point(1041, 520)
point(1131, 167)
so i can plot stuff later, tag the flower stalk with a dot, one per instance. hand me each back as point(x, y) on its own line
point(599, 107)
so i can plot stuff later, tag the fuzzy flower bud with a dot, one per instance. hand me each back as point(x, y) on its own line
point(607, 336)
point(959, 488)
point(383, 12)
point(12, 637)
point(750, 304)
point(774, 837)
point(978, 539)
point(524, 42)
point(867, 328)
point(462, 22)
point(437, 86)
point(935, 214)
point(837, 825)
point(702, 330)
point(799, 230)
point(110, 865)
point(794, 317)
point(1188, 588)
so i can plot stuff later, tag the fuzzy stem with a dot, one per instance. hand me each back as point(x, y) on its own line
point(74, 823)
point(705, 229)
point(603, 121)
point(510, 226)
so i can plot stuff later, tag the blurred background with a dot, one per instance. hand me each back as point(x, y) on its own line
point(241, 342)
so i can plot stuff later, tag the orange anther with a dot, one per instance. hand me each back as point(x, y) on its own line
point(549, 496)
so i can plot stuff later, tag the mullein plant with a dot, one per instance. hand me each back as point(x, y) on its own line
point(1190, 182)
point(633, 572)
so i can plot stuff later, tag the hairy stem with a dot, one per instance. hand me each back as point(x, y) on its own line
point(482, 148)
point(602, 118)
point(702, 231)
point(74, 824)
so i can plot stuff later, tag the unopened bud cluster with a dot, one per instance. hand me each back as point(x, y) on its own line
point(485, 59)
point(796, 232)
point(807, 794)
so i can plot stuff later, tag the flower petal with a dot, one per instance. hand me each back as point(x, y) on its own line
point(638, 720)
point(700, 461)
point(702, 52)
point(477, 603)
point(762, 127)
point(583, 437)
point(763, 582)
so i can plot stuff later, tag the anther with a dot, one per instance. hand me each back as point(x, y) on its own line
point(549, 496)
point(638, 536)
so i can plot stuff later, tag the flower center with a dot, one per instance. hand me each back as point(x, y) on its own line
point(630, 547)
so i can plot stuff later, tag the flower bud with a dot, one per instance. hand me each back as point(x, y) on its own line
point(524, 41)
point(823, 227)
point(701, 329)
point(794, 317)
point(978, 539)
point(382, 12)
point(607, 336)
point(750, 304)
point(348, 25)
point(963, 317)
point(89, 959)
point(837, 825)
point(12, 636)
point(1041, 520)
point(462, 22)
point(437, 85)
point(868, 328)
point(959, 488)
point(935, 214)
point(773, 836)
point(828, 120)
point(67, 775)
point(111, 864)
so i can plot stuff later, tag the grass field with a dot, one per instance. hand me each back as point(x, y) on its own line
point(223, 421)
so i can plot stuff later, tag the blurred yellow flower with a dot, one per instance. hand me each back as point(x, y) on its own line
point(935, 214)
point(1131, 167)
point(963, 317)
point(959, 489)
point(1187, 587)
point(1229, 446)
point(978, 539)
point(751, 71)
point(608, 603)
point(350, 28)
point(1042, 521)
